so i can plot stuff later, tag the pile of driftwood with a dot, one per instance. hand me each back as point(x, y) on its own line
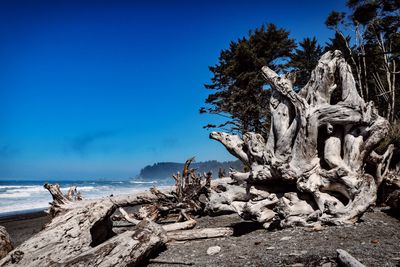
point(83, 232)
point(318, 164)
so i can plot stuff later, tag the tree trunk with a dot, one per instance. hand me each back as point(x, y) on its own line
point(315, 156)
point(81, 234)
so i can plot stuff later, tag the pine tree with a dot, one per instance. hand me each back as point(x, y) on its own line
point(239, 93)
point(304, 60)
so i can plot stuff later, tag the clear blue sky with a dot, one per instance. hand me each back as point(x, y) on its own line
point(94, 89)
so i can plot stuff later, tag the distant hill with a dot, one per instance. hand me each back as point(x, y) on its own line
point(164, 170)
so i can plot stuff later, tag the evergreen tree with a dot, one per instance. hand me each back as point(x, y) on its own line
point(239, 92)
point(376, 54)
point(304, 60)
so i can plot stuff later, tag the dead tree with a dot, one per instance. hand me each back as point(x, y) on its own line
point(318, 162)
point(61, 200)
point(188, 199)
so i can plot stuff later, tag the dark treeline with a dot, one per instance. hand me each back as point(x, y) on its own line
point(240, 95)
point(163, 170)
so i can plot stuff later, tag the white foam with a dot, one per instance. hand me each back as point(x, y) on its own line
point(28, 197)
point(15, 195)
point(141, 182)
point(17, 186)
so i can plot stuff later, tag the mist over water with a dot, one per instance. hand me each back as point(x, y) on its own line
point(18, 196)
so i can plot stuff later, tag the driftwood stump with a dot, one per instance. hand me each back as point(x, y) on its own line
point(318, 162)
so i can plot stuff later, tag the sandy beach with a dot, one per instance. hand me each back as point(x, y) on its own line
point(375, 241)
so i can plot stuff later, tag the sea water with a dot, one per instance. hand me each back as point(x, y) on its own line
point(19, 196)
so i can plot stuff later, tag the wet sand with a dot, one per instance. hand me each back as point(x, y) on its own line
point(22, 226)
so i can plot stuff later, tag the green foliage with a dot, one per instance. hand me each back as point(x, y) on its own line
point(238, 87)
point(334, 19)
point(304, 60)
point(375, 56)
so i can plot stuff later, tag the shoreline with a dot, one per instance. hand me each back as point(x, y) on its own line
point(22, 214)
point(24, 225)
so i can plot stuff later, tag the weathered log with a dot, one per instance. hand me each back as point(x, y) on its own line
point(5, 242)
point(130, 248)
point(199, 233)
point(83, 230)
point(346, 260)
point(127, 217)
point(179, 226)
point(60, 199)
point(320, 143)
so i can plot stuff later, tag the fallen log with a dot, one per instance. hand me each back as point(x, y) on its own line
point(80, 229)
point(199, 233)
point(130, 248)
point(346, 260)
point(179, 226)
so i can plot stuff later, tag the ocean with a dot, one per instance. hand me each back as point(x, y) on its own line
point(18, 196)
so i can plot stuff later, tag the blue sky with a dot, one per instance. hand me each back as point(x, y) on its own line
point(99, 89)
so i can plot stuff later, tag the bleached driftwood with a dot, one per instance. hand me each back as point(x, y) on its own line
point(5, 242)
point(346, 260)
point(199, 233)
point(82, 231)
point(188, 199)
point(60, 199)
point(321, 140)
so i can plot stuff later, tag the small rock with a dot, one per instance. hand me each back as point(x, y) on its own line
point(317, 227)
point(375, 241)
point(297, 265)
point(213, 250)
point(285, 238)
point(327, 264)
point(270, 248)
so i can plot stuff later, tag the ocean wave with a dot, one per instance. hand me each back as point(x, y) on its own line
point(15, 195)
point(30, 189)
point(143, 182)
point(81, 188)
point(16, 186)
point(27, 197)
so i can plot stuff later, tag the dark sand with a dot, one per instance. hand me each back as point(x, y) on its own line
point(22, 226)
point(375, 241)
